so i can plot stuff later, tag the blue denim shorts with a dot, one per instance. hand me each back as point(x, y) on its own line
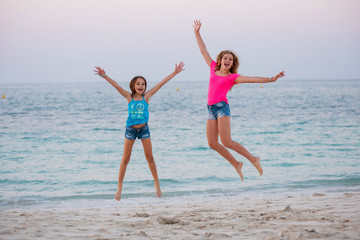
point(218, 110)
point(140, 133)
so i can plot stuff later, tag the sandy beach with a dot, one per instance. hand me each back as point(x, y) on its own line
point(317, 216)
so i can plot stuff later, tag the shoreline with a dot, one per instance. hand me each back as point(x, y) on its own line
point(320, 216)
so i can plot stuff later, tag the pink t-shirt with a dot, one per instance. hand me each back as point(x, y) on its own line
point(219, 85)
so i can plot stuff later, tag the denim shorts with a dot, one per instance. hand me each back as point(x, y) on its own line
point(218, 110)
point(140, 133)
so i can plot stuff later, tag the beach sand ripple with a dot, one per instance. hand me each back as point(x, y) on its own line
point(318, 216)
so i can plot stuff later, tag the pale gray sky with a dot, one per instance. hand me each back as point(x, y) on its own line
point(62, 40)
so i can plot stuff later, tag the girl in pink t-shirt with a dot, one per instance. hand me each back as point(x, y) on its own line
point(223, 76)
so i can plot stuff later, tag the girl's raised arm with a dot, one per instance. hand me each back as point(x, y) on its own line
point(151, 92)
point(244, 79)
point(200, 42)
point(101, 72)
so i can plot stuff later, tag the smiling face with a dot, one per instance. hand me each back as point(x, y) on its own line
point(138, 85)
point(227, 62)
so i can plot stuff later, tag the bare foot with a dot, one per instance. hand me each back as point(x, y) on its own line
point(238, 169)
point(256, 162)
point(118, 195)
point(158, 190)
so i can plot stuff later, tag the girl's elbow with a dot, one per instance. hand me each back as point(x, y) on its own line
point(204, 52)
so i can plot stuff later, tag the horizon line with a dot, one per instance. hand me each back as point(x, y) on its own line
point(84, 82)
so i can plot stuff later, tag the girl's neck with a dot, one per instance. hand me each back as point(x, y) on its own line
point(137, 96)
point(224, 72)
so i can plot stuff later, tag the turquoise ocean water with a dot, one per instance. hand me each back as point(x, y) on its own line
point(61, 144)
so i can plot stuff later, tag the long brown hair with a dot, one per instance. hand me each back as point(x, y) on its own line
point(132, 84)
point(236, 62)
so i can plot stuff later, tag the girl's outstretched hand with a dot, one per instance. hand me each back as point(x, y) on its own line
point(197, 25)
point(281, 74)
point(179, 68)
point(99, 71)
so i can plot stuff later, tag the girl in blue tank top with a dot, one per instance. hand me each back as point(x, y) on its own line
point(137, 121)
point(138, 112)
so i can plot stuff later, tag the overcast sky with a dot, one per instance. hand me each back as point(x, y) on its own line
point(62, 40)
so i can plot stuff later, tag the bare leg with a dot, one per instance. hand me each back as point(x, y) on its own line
point(212, 134)
point(128, 144)
point(225, 136)
point(150, 158)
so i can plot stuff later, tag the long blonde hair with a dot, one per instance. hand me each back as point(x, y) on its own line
point(236, 62)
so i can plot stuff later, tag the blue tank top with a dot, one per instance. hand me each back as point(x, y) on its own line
point(138, 112)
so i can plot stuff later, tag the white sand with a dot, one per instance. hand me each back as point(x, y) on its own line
point(317, 216)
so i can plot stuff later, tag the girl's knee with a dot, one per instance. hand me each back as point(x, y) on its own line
point(228, 143)
point(125, 160)
point(150, 158)
point(213, 145)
